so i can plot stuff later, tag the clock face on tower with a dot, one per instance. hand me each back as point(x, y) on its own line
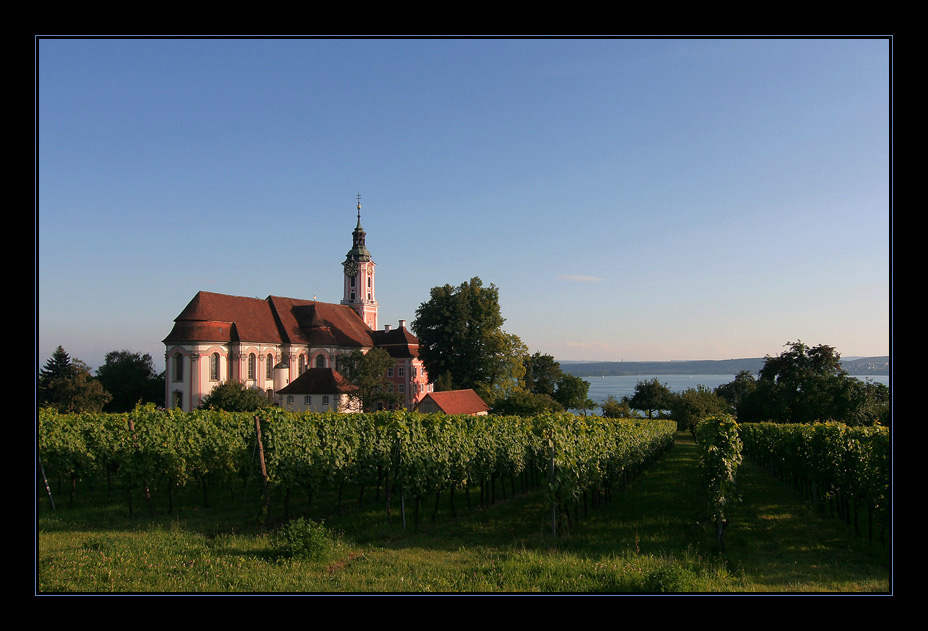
point(351, 268)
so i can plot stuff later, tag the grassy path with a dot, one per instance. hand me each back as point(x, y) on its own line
point(651, 537)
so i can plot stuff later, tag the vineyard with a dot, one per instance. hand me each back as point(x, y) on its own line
point(513, 492)
point(843, 469)
point(409, 457)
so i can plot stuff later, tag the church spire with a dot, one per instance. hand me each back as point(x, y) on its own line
point(359, 277)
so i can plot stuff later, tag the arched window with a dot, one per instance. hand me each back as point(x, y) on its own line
point(252, 365)
point(300, 365)
point(178, 367)
point(320, 361)
point(269, 368)
point(214, 367)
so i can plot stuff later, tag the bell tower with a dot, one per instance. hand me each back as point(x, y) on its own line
point(359, 277)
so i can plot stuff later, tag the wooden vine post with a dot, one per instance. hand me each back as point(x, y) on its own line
point(265, 487)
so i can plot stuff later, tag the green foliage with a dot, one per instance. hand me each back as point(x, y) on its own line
point(572, 393)
point(131, 379)
point(302, 539)
point(461, 340)
point(542, 373)
point(234, 396)
point(614, 408)
point(672, 578)
point(522, 403)
point(544, 377)
point(367, 372)
point(831, 462)
point(805, 384)
point(720, 456)
point(737, 391)
point(68, 386)
point(694, 404)
point(651, 396)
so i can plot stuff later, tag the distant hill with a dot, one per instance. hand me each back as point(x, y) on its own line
point(858, 366)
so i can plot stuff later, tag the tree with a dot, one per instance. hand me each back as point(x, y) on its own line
point(738, 390)
point(68, 386)
point(524, 403)
point(805, 384)
point(572, 392)
point(367, 372)
point(131, 379)
point(614, 408)
point(651, 396)
point(693, 405)
point(462, 343)
point(58, 365)
point(542, 373)
point(235, 396)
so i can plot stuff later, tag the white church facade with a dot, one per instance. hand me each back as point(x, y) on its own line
point(269, 344)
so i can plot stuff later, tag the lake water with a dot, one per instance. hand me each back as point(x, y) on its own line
point(622, 386)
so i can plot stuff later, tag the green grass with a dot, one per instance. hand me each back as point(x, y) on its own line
point(651, 537)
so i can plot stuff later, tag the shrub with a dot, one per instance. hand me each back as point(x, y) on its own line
point(302, 539)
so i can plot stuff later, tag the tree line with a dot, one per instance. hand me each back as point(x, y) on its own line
point(802, 384)
point(123, 381)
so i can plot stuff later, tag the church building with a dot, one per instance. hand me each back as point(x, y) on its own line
point(269, 344)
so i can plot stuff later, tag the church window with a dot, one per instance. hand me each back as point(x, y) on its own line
point(269, 368)
point(178, 367)
point(214, 367)
point(252, 365)
point(301, 365)
point(320, 361)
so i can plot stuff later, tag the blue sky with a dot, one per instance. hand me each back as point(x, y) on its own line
point(663, 199)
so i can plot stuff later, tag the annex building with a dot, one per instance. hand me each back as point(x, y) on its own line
point(270, 344)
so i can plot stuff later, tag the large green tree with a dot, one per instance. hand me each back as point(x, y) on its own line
point(804, 384)
point(462, 342)
point(131, 379)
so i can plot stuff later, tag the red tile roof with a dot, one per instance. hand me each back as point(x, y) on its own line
point(457, 401)
point(222, 318)
point(318, 381)
point(397, 342)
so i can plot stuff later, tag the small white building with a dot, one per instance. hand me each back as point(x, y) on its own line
point(318, 390)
